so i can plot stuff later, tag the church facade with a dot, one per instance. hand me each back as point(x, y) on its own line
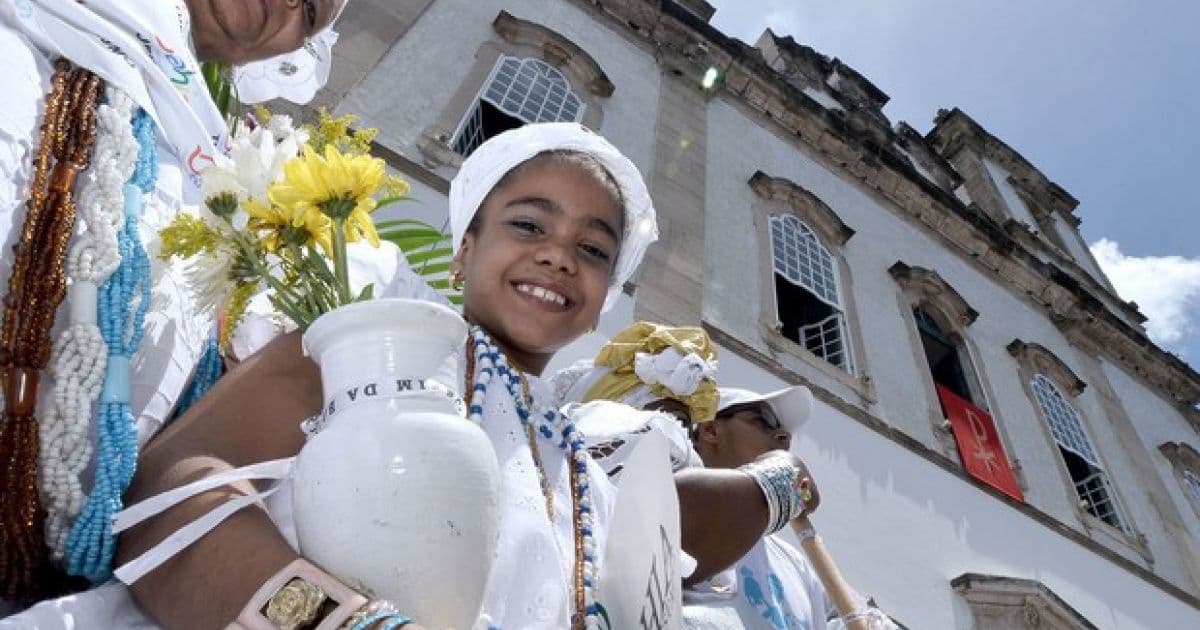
point(998, 443)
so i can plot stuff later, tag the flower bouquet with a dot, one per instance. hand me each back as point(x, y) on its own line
point(279, 210)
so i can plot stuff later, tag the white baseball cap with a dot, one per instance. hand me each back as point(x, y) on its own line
point(792, 405)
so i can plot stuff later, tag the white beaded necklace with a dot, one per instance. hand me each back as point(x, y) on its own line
point(80, 354)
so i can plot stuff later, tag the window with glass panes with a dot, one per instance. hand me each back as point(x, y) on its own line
point(517, 92)
point(807, 293)
point(1091, 483)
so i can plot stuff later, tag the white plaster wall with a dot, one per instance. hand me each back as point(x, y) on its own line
point(1158, 422)
point(1080, 251)
point(417, 78)
point(901, 528)
point(739, 147)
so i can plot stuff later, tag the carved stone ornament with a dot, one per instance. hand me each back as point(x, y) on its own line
point(557, 50)
point(805, 204)
point(930, 286)
point(1038, 360)
point(1009, 603)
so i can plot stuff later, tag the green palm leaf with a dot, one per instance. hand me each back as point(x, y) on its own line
point(427, 249)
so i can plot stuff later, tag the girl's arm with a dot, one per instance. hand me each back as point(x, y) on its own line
point(723, 514)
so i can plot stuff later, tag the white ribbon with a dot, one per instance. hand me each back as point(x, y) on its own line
point(135, 569)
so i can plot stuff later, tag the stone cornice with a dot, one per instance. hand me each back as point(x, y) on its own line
point(806, 204)
point(915, 143)
point(1039, 360)
point(556, 50)
point(1180, 453)
point(688, 46)
point(931, 285)
point(953, 130)
point(1040, 607)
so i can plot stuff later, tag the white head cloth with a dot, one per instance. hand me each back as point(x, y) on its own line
point(678, 373)
point(294, 76)
point(495, 158)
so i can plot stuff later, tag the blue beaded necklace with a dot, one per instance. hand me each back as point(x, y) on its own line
point(208, 370)
point(124, 300)
point(490, 363)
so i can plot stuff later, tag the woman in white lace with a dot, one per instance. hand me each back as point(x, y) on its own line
point(148, 55)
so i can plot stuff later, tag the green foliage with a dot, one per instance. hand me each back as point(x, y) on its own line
point(218, 78)
point(427, 249)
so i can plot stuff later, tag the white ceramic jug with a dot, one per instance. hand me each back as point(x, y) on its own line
point(398, 493)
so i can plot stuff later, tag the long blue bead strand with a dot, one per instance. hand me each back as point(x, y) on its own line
point(124, 300)
point(208, 370)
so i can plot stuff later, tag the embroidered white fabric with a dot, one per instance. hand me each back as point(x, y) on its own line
point(612, 431)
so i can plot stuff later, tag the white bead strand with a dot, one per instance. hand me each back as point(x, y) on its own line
point(80, 355)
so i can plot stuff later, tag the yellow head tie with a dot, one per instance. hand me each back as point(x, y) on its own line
point(620, 355)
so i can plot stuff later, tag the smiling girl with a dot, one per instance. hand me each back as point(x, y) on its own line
point(549, 221)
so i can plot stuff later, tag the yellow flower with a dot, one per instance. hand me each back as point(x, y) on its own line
point(336, 185)
point(186, 236)
point(280, 224)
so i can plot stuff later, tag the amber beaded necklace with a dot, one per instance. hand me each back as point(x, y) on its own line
point(36, 287)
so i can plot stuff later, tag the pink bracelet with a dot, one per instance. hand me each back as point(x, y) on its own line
point(295, 597)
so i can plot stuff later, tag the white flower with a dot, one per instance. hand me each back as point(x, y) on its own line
point(220, 178)
point(209, 280)
point(255, 160)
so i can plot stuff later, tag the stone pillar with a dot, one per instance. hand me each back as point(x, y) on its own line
point(670, 284)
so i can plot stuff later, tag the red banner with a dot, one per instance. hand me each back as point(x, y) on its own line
point(979, 445)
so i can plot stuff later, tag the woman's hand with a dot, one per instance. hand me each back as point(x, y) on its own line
point(805, 484)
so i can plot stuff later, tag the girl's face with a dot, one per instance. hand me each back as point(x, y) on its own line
point(538, 265)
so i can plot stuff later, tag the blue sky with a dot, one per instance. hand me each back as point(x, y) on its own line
point(1102, 96)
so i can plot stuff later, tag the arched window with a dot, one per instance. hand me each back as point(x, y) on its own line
point(517, 92)
point(1186, 462)
point(807, 293)
point(1091, 482)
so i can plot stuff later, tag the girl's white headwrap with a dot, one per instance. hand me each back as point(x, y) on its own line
point(493, 159)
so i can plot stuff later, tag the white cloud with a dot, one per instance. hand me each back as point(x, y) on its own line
point(1166, 288)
